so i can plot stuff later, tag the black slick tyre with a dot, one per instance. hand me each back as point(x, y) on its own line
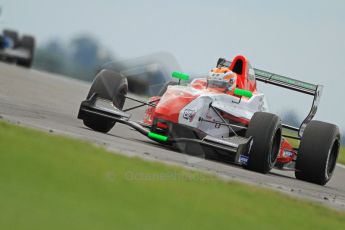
point(27, 43)
point(266, 130)
point(13, 35)
point(318, 152)
point(111, 86)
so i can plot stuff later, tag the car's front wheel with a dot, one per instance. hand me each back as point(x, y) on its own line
point(266, 131)
point(111, 86)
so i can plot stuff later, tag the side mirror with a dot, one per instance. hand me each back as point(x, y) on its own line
point(180, 76)
point(242, 92)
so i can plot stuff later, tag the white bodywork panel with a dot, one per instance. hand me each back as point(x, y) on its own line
point(244, 108)
point(200, 108)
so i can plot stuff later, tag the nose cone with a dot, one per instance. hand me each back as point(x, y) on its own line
point(171, 103)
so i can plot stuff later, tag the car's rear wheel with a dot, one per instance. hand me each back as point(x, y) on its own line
point(266, 130)
point(28, 43)
point(318, 152)
point(13, 35)
point(111, 86)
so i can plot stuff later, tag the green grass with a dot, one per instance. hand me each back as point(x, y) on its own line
point(52, 182)
point(341, 158)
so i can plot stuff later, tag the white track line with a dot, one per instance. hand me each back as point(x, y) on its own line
point(341, 166)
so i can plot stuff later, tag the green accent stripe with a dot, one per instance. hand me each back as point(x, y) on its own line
point(181, 76)
point(157, 136)
point(242, 92)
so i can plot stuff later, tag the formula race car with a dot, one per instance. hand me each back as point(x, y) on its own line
point(222, 115)
point(15, 50)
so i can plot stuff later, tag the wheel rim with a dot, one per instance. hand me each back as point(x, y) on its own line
point(332, 159)
point(275, 148)
point(119, 101)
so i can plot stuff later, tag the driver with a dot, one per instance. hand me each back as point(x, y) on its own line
point(222, 79)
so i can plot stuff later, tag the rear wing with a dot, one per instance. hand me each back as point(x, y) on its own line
point(288, 83)
point(285, 82)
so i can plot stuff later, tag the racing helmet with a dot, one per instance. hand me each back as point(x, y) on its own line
point(221, 79)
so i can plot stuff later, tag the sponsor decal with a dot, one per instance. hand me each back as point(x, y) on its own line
point(244, 159)
point(288, 153)
point(189, 114)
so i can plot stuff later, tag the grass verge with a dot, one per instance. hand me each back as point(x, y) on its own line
point(52, 182)
point(341, 158)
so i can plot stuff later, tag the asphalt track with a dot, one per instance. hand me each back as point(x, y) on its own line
point(51, 102)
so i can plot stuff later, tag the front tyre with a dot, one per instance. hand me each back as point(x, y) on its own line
point(318, 152)
point(266, 130)
point(111, 86)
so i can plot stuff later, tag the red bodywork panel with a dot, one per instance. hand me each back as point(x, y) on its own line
point(170, 105)
point(240, 65)
point(287, 153)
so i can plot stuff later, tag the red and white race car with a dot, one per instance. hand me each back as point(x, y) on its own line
point(222, 115)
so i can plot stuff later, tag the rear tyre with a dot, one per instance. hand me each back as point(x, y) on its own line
point(3, 43)
point(266, 130)
point(318, 152)
point(165, 87)
point(28, 43)
point(111, 86)
point(13, 35)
